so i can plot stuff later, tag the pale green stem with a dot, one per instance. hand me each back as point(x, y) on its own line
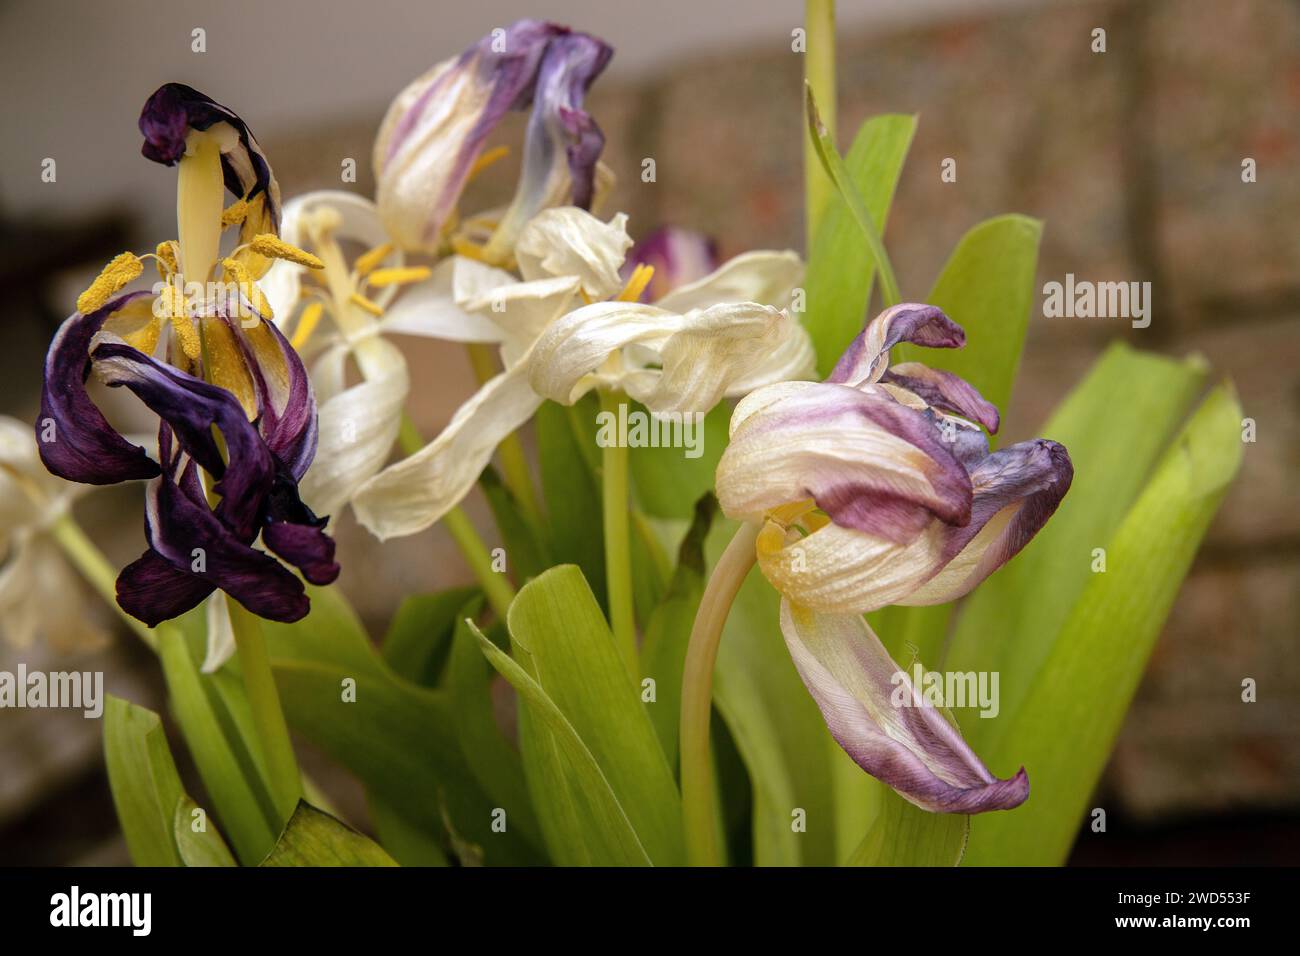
point(618, 554)
point(264, 702)
point(94, 567)
point(514, 463)
point(698, 816)
point(475, 552)
point(819, 71)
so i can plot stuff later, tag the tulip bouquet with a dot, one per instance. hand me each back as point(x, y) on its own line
point(559, 710)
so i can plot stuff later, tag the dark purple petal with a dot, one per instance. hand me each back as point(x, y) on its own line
point(868, 355)
point(882, 721)
point(295, 533)
point(1016, 489)
point(151, 590)
point(678, 256)
point(83, 446)
point(166, 120)
point(287, 404)
point(944, 391)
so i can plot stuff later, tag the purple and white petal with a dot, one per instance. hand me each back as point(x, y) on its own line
point(75, 440)
point(944, 391)
point(882, 721)
point(867, 356)
point(678, 257)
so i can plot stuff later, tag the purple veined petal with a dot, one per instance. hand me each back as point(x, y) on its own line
point(438, 125)
point(191, 407)
point(151, 590)
point(166, 120)
point(562, 142)
point(1016, 489)
point(871, 463)
point(83, 446)
point(944, 391)
point(287, 405)
point(883, 723)
point(678, 257)
point(867, 356)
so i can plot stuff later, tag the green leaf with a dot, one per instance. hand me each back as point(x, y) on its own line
point(584, 822)
point(560, 638)
point(776, 725)
point(1080, 692)
point(418, 641)
point(666, 482)
point(409, 844)
point(1114, 424)
point(663, 652)
point(905, 835)
point(986, 287)
point(566, 443)
point(529, 555)
point(201, 847)
point(314, 838)
point(142, 776)
point(840, 273)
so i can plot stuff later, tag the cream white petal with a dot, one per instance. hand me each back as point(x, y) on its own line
point(221, 633)
point(41, 596)
point(412, 494)
point(762, 276)
point(568, 241)
point(793, 359)
point(435, 308)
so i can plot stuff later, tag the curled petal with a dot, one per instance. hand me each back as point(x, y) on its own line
point(563, 142)
point(767, 278)
point(152, 590)
point(287, 406)
point(870, 463)
point(867, 356)
point(880, 719)
point(440, 307)
point(1016, 490)
point(221, 634)
point(678, 256)
point(792, 358)
point(414, 493)
point(945, 391)
point(293, 532)
point(572, 242)
point(75, 440)
point(437, 126)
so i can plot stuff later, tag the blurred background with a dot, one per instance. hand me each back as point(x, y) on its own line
point(1132, 157)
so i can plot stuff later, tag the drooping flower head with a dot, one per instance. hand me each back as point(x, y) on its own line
point(434, 133)
point(237, 415)
point(877, 487)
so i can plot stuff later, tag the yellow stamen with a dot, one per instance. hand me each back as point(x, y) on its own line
point(486, 160)
point(235, 213)
point(167, 262)
point(468, 248)
point(361, 300)
point(370, 259)
point(273, 247)
point(124, 269)
point(383, 277)
point(173, 308)
point(306, 324)
point(641, 277)
point(237, 273)
point(788, 514)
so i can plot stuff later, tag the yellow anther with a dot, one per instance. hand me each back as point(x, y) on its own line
point(383, 277)
point(248, 288)
point(307, 323)
point(235, 213)
point(370, 259)
point(172, 306)
point(366, 304)
point(641, 277)
point(487, 159)
point(167, 262)
point(273, 247)
point(124, 269)
point(467, 248)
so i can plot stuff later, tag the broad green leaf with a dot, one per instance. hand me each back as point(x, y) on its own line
point(408, 844)
point(418, 641)
point(529, 555)
point(1078, 694)
point(777, 727)
point(839, 276)
point(1114, 424)
point(560, 638)
point(142, 775)
point(901, 834)
point(584, 822)
point(667, 483)
point(331, 632)
point(986, 287)
point(566, 447)
point(663, 653)
point(197, 840)
point(314, 838)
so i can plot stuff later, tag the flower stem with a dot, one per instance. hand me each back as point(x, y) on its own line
point(264, 701)
point(494, 584)
point(514, 463)
point(618, 554)
point(94, 567)
point(819, 71)
point(698, 816)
